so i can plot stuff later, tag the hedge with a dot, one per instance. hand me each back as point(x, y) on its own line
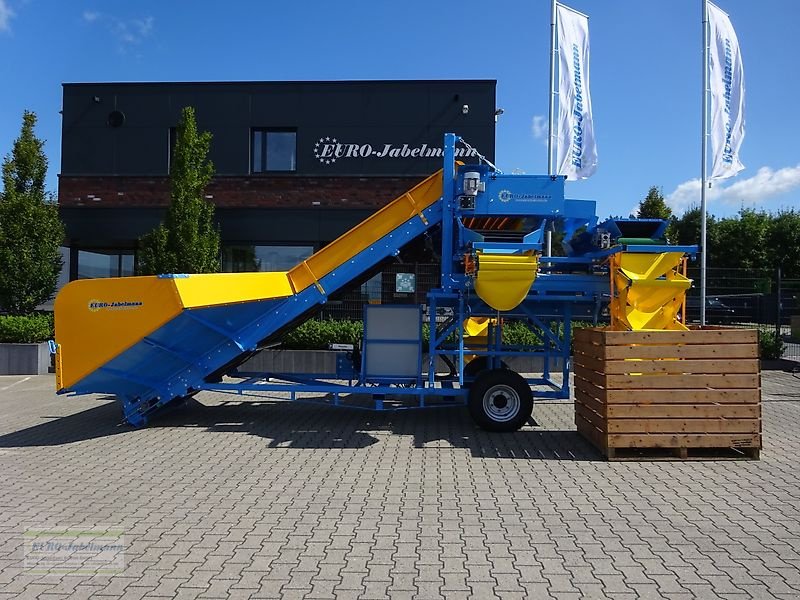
point(26, 329)
point(317, 334)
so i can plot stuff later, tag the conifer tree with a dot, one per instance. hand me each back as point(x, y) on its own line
point(31, 232)
point(187, 241)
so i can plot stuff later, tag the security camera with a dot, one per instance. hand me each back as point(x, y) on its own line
point(498, 112)
point(465, 109)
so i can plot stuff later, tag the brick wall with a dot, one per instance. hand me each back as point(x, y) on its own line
point(266, 192)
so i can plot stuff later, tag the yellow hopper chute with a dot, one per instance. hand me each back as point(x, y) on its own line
point(648, 290)
point(504, 280)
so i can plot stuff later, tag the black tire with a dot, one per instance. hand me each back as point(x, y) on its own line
point(500, 400)
point(478, 364)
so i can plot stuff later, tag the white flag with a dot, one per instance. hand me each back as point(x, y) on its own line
point(727, 96)
point(576, 152)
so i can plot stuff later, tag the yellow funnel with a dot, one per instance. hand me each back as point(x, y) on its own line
point(476, 335)
point(504, 280)
point(648, 290)
point(476, 328)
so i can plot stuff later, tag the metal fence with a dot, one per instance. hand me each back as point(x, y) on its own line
point(760, 299)
point(395, 283)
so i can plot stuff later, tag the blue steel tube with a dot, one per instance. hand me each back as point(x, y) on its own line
point(448, 208)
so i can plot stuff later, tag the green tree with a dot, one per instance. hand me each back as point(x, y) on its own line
point(741, 241)
point(654, 206)
point(685, 231)
point(686, 228)
point(751, 239)
point(31, 231)
point(187, 241)
point(783, 242)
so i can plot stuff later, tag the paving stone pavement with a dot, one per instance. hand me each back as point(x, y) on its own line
point(223, 498)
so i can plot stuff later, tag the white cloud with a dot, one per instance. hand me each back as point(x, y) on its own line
point(5, 16)
point(765, 184)
point(128, 32)
point(539, 128)
point(143, 26)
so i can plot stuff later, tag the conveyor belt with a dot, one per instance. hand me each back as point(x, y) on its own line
point(151, 339)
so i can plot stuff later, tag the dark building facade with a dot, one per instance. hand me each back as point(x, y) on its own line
point(297, 163)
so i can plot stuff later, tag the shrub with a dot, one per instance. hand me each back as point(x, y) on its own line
point(317, 334)
point(517, 333)
point(771, 345)
point(26, 329)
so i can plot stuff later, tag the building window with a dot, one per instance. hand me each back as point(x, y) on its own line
point(238, 259)
point(273, 150)
point(93, 264)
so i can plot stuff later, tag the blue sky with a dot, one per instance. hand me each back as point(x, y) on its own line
point(645, 73)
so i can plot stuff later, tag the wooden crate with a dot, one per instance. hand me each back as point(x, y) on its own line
point(686, 394)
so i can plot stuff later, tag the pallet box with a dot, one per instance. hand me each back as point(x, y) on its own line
point(687, 394)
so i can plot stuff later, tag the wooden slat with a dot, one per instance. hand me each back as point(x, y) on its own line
point(672, 454)
point(595, 364)
point(705, 426)
point(591, 416)
point(592, 335)
point(589, 411)
point(595, 404)
point(590, 350)
point(590, 376)
point(719, 440)
point(691, 351)
point(677, 411)
point(722, 351)
point(750, 396)
point(700, 382)
point(704, 336)
point(596, 437)
point(593, 390)
point(714, 366)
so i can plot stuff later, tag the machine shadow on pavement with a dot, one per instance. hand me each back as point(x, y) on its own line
point(302, 426)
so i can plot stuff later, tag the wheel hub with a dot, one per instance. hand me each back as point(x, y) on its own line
point(501, 403)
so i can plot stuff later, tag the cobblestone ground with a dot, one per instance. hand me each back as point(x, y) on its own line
point(227, 499)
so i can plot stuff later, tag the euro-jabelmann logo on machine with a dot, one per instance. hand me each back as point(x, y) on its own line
point(98, 305)
point(508, 196)
point(327, 150)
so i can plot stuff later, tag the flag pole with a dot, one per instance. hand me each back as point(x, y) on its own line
point(703, 174)
point(552, 92)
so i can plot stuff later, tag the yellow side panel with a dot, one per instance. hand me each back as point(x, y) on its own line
point(504, 280)
point(367, 232)
point(650, 295)
point(96, 319)
point(639, 265)
point(229, 288)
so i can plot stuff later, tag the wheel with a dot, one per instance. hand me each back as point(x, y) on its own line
point(500, 400)
point(478, 364)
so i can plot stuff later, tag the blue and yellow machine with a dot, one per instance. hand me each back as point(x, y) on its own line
point(151, 341)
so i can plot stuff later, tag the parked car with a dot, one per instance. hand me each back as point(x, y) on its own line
point(717, 312)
